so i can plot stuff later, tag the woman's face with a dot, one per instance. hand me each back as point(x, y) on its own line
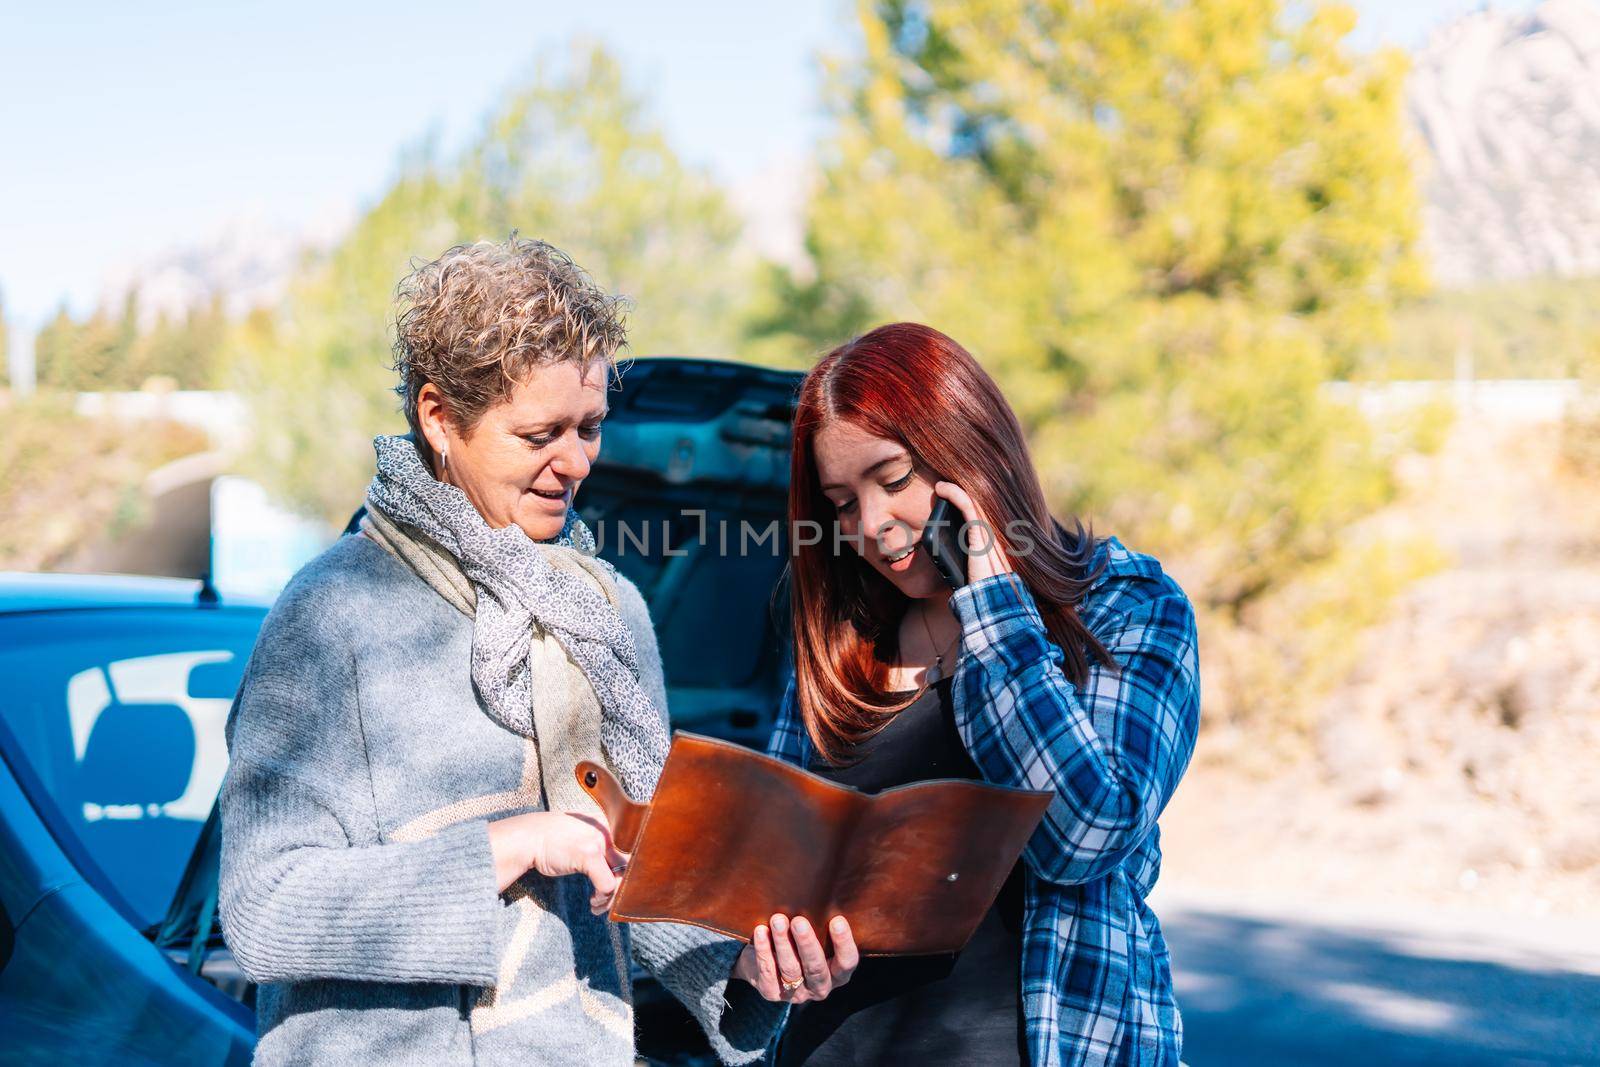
point(881, 500)
point(524, 460)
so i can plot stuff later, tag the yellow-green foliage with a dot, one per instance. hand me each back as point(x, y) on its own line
point(1535, 328)
point(1580, 428)
point(65, 479)
point(1266, 667)
point(1580, 436)
point(1161, 226)
point(569, 158)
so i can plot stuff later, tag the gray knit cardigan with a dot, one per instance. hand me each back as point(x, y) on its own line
point(357, 884)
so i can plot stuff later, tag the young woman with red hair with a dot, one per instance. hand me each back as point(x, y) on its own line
point(1064, 663)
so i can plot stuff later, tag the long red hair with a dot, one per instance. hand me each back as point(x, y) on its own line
point(912, 384)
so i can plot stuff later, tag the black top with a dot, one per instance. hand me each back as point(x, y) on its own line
point(964, 1008)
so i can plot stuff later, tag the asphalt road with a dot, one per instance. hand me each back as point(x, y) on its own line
point(1292, 988)
point(1264, 989)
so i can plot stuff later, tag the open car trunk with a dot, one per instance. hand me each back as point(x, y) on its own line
point(688, 500)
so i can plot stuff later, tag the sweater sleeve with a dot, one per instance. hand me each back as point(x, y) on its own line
point(696, 966)
point(305, 890)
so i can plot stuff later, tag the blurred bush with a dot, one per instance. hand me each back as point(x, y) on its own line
point(1533, 328)
point(67, 480)
point(1580, 428)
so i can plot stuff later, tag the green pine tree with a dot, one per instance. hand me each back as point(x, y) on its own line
point(1162, 227)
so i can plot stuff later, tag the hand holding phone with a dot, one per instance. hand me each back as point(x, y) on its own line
point(984, 559)
point(941, 538)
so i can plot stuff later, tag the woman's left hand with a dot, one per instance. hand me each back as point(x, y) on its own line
point(786, 962)
point(985, 557)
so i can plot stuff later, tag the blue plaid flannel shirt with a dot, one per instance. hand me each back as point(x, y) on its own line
point(1096, 975)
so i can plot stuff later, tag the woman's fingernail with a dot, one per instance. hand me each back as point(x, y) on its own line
point(779, 924)
point(839, 925)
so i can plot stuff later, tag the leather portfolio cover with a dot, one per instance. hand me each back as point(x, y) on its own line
point(732, 837)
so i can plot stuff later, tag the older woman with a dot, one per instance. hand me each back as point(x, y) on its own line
point(409, 870)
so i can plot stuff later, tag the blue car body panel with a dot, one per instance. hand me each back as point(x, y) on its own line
point(83, 985)
point(52, 592)
point(84, 982)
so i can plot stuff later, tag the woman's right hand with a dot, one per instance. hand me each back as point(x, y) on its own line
point(786, 962)
point(557, 843)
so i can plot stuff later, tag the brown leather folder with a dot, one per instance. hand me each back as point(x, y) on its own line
point(732, 837)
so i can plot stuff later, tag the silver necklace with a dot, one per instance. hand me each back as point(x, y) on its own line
point(935, 672)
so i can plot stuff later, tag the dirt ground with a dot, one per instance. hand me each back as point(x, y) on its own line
point(1457, 769)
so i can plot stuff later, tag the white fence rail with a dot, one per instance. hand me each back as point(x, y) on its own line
point(224, 416)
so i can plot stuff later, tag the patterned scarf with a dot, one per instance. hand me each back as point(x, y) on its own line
point(518, 589)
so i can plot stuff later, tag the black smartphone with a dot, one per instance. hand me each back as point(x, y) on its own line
point(942, 540)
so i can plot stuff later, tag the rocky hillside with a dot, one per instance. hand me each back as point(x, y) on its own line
point(1508, 106)
point(1455, 767)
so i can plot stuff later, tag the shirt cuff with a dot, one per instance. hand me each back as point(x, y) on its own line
point(991, 607)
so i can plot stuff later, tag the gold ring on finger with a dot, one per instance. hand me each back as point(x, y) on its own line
point(791, 986)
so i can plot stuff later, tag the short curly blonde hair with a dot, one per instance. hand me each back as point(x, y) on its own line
point(478, 319)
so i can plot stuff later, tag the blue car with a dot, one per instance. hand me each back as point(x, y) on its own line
point(111, 754)
point(117, 691)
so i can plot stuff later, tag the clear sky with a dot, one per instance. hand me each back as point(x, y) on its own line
point(128, 129)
